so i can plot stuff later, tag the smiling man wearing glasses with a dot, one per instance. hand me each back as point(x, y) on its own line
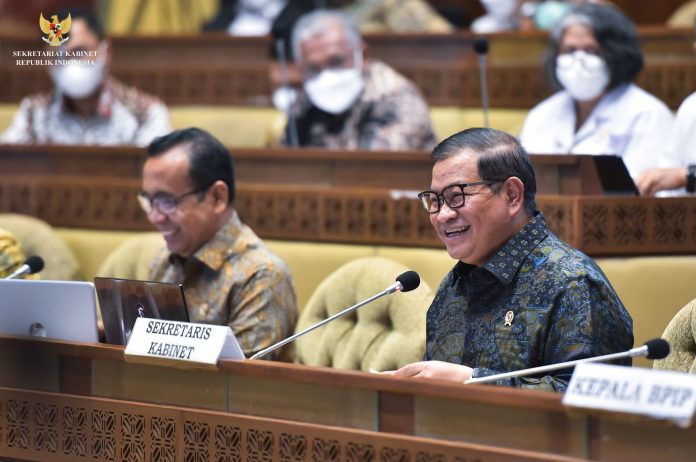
point(229, 275)
point(518, 297)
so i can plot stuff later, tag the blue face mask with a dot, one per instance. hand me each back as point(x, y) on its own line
point(548, 13)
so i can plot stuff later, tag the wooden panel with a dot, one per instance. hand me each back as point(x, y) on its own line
point(126, 381)
point(222, 70)
point(46, 427)
point(321, 404)
point(451, 422)
point(529, 429)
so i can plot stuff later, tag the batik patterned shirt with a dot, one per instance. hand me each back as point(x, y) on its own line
point(235, 280)
point(537, 301)
point(390, 114)
point(125, 116)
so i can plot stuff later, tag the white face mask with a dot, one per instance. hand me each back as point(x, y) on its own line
point(79, 81)
point(335, 90)
point(583, 75)
point(502, 9)
point(284, 97)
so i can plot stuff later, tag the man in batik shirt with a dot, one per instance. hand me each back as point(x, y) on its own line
point(349, 102)
point(87, 105)
point(518, 297)
point(229, 276)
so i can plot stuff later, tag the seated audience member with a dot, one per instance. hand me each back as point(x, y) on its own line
point(11, 254)
point(87, 105)
point(252, 17)
point(350, 102)
point(677, 173)
point(285, 82)
point(501, 16)
point(518, 297)
point(677, 168)
point(594, 56)
point(229, 276)
point(397, 16)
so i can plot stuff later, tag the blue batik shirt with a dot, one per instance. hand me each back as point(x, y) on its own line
point(537, 301)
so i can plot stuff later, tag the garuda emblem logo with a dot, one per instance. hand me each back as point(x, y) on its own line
point(55, 30)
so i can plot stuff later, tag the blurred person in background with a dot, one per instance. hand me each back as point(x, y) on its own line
point(87, 104)
point(676, 173)
point(349, 101)
point(593, 58)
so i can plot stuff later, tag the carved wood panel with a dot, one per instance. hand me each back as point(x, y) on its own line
point(596, 225)
point(94, 429)
point(222, 70)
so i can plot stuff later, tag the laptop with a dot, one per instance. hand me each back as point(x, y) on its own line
point(122, 301)
point(614, 176)
point(65, 310)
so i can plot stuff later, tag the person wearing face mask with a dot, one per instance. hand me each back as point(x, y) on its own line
point(348, 102)
point(87, 105)
point(594, 56)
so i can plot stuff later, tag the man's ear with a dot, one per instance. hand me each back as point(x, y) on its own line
point(220, 193)
point(513, 190)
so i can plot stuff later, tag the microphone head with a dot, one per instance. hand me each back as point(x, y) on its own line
point(481, 46)
point(409, 280)
point(35, 264)
point(658, 348)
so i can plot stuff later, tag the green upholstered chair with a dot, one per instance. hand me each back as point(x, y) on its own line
point(38, 238)
point(132, 258)
point(681, 335)
point(385, 334)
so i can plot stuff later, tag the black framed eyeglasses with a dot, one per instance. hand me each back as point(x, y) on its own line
point(165, 203)
point(453, 195)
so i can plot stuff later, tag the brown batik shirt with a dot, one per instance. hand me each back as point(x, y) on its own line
point(235, 280)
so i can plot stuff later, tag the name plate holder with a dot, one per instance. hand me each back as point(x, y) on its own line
point(657, 394)
point(161, 342)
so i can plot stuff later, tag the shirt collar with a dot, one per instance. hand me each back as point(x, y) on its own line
point(505, 263)
point(228, 241)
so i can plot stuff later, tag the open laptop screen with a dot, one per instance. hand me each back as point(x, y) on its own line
point(122, 301)
point(64, 310)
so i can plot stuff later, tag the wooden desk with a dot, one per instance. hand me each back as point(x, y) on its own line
point(217, 69)
point(62, 401)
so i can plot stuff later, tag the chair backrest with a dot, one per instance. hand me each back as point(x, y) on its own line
point(385, 334)
point(38, 238)
point(681, 335)
point(132, 258)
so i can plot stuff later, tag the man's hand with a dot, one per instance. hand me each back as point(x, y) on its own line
point(439, 370)
point(660, 179)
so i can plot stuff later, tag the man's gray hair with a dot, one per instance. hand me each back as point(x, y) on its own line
point(317, 22)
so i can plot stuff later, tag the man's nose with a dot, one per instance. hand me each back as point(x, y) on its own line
point(155, 216)
point(445, 213)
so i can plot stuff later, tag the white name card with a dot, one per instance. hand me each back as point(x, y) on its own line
point(182, 341)
point(657, 394)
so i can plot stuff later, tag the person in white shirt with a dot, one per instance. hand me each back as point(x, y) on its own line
point(676, 174)
point(593, 57)
point(677, 169)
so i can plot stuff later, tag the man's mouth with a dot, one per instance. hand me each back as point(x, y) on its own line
point(168, 233)
point(454, 232)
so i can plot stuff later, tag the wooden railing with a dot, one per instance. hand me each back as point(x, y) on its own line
point(353, 197)
point(221, 70)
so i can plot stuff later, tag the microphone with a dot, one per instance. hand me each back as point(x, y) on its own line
point(293, 137)
point(31, 265)
point(656, 348)
point(405, 282)
point(481, 48)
